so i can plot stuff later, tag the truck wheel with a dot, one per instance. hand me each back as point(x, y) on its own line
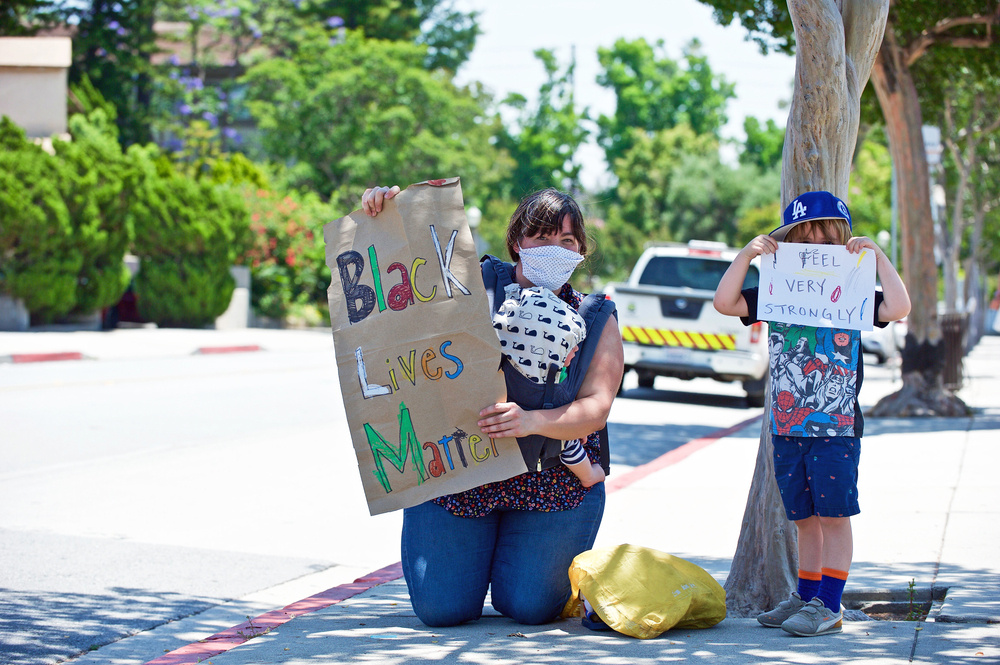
point(646, 379)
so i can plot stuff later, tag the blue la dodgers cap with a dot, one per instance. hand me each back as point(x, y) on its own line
point(810, 206)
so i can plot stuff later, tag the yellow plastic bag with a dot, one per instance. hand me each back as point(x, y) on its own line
point(641, 592)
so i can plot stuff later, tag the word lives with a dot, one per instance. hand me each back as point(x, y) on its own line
point(428, 367)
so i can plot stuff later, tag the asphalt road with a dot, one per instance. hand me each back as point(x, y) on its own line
point(136, 493)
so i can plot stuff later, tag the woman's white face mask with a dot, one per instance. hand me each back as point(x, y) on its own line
point(548, 266)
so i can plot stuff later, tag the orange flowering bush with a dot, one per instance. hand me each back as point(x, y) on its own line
point(287, 260)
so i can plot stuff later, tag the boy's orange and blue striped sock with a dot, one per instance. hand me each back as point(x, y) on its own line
point(808, 584)
point(831, 588)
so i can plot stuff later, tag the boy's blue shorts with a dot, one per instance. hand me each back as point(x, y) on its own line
point(817, 475)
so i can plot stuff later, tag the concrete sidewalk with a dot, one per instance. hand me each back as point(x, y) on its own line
point(929, 515)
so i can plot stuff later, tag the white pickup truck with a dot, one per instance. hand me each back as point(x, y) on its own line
point(670, 328)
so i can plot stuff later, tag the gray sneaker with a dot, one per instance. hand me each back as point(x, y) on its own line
point(785, 609)
point(814, 619)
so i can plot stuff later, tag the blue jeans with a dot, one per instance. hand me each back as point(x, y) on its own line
point(450, 562)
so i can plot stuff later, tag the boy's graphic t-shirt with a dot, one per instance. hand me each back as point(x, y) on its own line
point(816, 374)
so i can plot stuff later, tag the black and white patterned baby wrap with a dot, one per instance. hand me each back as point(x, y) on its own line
point(537, 330)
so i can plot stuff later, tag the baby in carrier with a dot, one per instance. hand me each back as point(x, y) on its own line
point(542, 352)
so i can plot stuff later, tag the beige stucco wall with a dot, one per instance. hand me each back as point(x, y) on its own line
point(33, 82)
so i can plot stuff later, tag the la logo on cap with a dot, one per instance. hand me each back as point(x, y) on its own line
point(798, 209)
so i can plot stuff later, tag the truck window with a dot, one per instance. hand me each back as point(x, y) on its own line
point(690, 272)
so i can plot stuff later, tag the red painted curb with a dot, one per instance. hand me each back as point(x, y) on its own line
point(229, 349)
point(237, 635)
point(672, 457)
point(45, 357)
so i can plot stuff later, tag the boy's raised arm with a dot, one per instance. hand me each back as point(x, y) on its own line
point(728, 297)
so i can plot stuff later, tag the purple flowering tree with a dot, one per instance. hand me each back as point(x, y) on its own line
point(113, 48)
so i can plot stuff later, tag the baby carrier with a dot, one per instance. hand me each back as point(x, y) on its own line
point(541, 452)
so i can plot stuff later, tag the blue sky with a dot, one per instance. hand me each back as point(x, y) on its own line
point(513, 29)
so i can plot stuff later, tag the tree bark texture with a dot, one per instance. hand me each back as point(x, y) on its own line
point(765, 567)
point(836, 47)
point(923, 392)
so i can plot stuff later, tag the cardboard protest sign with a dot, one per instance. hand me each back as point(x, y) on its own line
point(817, 285)
point(416, 351)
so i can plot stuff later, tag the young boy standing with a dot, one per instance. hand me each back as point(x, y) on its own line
point(816, 422)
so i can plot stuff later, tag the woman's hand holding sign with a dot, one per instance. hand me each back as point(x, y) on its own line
point(505, 419)
point(372, 199)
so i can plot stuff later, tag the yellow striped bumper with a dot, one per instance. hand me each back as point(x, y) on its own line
point(679, 338)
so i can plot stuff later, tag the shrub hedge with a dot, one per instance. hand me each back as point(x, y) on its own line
point(67, 219)
point(93, 170)
point(187, 235)
point(39, 260)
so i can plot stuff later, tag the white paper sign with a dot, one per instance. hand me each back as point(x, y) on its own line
point(817, 285)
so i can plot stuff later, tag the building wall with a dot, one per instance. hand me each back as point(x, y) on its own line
point(33, 74)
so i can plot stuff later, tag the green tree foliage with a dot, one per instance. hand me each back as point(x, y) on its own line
point(674, 187)
point(220, 39)
point(23, 18)
point(870, 193)
point(763, 144)
point(871, 187)
point(761, 151)
point(448, 33)
point(39, 260)
point(964, 107)
point(617, 245)
point(756, 221)
point(199, 155)
point(227, 33)
point(187, 235)
point(646, 174)
point(493, 227)
point(112, 46)
point(654, 93)
point(543, 141)
point(65, 229)
point(708, 197)
point(92, 179)
point(360, 112)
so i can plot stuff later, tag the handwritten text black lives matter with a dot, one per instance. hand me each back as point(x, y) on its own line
point(435, 364)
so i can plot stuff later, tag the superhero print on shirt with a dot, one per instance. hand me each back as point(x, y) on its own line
point(813, 379)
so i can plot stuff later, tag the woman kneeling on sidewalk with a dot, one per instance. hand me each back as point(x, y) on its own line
point(516, 538)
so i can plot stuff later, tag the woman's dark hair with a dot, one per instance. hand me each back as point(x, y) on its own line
point(542, 213)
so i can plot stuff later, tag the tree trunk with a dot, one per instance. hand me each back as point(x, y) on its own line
point(923, 392)
point(765, 566)
point(836, 44)
point(964, 158)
